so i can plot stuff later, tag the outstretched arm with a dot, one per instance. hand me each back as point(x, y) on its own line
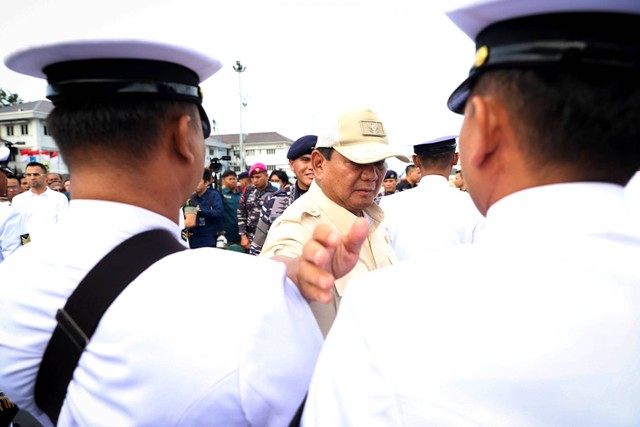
point(326, 257)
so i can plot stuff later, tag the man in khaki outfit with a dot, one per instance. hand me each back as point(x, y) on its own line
point(349, 166)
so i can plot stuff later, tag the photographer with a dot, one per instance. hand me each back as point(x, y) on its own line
point(230, 200)
point(215, 167)
point(206, 222)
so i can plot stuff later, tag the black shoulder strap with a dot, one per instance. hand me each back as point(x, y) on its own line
point(297, 418)
point(80, 316)
point(8, 411)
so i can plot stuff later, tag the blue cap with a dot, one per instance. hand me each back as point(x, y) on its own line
point(301, 146)
point(243, 175)
point(391, 175)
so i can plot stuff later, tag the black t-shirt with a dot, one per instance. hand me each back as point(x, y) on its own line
point(404, 185)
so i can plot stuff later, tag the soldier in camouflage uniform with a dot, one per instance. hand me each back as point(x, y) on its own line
point(299, 156)
point(251, 203)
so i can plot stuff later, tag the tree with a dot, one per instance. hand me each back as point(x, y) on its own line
point(7, 98)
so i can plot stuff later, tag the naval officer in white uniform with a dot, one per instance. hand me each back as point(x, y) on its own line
point(174, 348)
point(538, 322)
point(435, 215)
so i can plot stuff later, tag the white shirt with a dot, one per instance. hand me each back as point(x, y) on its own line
point(632, 195)
point(535, 324)
point(11, 228)
point(432, 216)
point(41, 211)
point(186, 343)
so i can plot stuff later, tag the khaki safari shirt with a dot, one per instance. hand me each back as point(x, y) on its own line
point(295, 226)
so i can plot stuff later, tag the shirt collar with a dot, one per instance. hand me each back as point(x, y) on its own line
point(565, 209)
point(315, 192)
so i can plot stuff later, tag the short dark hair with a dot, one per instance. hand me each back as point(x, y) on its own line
point(583, 121)
point(327, 152)
point(119, 129)
point(227, 173)
point(282, 175)
point(37, 164)
point(437, 160)
point(409, 168)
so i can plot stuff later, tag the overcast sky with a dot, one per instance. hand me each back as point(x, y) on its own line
point(303, 58)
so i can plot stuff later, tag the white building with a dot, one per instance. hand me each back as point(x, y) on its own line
point(23, 129)
point(269, 148)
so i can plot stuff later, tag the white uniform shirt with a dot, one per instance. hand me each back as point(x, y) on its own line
point(11, 228)
point(431, 217)
point(186, 343)
point(535, 324)
point(632, 195)
point(41, 211)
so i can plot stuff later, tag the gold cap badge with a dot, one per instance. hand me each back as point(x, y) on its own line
point(481, 56)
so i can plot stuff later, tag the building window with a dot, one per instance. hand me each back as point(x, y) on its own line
point(271, 167)
point(24, 129)
point(46, 130)
point(9, 130)
point(250, 152)
point(271, 151)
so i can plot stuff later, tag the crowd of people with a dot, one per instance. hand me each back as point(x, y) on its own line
point(351, 297)
point(32, 202)
point(253, 207)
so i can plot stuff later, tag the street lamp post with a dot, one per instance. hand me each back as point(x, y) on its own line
point(239, 68)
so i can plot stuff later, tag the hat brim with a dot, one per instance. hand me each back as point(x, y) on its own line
point(369, 153)
point(458, 98)
point(31, 61)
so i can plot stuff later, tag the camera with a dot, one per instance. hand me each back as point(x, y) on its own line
point(215, 166)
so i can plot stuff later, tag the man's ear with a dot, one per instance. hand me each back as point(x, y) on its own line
point(416, 161)
point(317, 162)
point(486, 116)
point(185, 140)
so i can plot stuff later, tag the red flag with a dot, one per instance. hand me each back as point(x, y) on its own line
point(24, 155)
point(45, 155)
